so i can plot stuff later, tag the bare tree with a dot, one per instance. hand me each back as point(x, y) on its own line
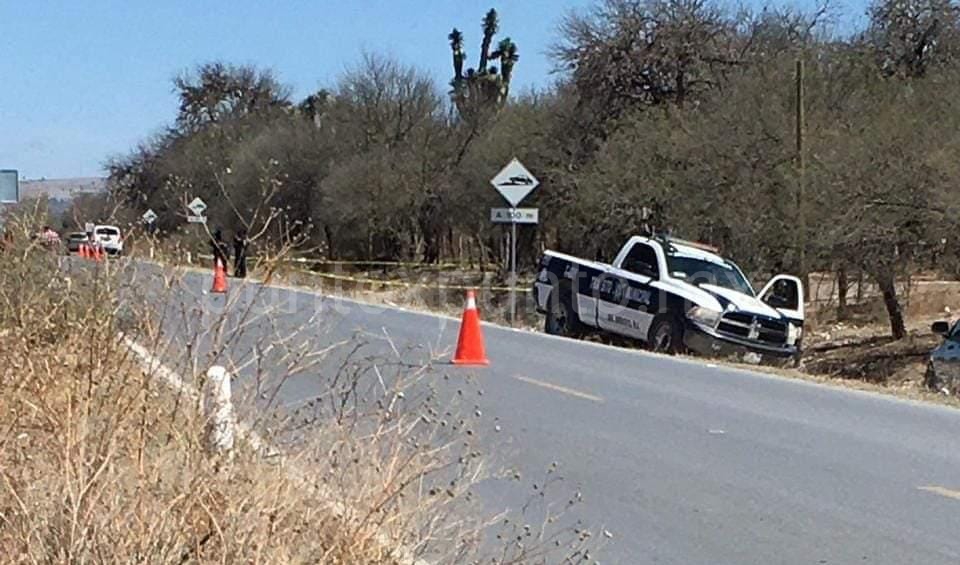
point(628, 53)
point(218, 91)
point(910, 36)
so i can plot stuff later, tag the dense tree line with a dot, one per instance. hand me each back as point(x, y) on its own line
point(681, 108)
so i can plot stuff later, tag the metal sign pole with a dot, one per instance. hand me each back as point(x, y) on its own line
point(514, 182)
point(513, 273)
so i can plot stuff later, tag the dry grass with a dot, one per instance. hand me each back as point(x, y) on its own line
point(102, 462)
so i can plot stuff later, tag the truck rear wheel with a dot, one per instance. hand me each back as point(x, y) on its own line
point(666, 335)
point(561, 319)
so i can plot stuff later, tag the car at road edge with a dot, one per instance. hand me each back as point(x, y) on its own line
point(73, 241)
point(943, 364)
point(675, 296)
point(109, 238)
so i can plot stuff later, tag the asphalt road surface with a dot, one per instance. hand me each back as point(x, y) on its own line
point(683, 462)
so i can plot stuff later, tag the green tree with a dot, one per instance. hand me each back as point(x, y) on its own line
point(381, 194)
point(482, 90)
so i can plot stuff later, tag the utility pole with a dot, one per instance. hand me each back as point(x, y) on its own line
point(801, 188)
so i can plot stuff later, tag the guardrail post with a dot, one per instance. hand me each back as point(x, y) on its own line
point(218, 411)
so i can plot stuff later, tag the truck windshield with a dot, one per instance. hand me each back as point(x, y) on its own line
point(701, 271)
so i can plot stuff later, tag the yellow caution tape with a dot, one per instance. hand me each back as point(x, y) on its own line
point(307, 260)
point(412, 285)
point(377, 263)
point(383, 282)
point(371, 263)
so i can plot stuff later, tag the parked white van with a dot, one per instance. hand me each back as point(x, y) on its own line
point(109, 238)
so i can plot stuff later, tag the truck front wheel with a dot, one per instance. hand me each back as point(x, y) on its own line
point(561, 319)
point(666, 335)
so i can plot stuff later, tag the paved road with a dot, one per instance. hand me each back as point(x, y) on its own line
point(683, 462)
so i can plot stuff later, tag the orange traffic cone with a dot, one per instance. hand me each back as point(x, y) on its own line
point(97, 253)
point(470, 349)
point(219, 278)
point(82, 251)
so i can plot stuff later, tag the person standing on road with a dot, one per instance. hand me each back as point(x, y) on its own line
point(219, 247)
point(240, 254)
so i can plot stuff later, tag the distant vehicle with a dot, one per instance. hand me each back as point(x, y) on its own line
point(109, 238)
point(48, 237)
point(943, 366)
point(676, 296)
point(74, 240)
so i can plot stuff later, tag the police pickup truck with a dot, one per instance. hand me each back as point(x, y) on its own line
point(675, 296)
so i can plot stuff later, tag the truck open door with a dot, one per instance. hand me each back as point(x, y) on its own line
point(785, 293)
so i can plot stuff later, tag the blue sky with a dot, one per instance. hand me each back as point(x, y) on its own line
point(83, 80)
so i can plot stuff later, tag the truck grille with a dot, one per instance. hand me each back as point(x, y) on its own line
point(754, 328)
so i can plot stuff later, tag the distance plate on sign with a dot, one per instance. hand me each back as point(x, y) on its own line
point(515, 215)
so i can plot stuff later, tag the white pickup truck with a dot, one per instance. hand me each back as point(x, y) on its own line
point(675, 296)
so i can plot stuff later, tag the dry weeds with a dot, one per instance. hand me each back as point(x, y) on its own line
point(102, 462)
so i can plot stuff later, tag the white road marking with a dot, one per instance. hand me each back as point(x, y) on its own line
point(558, 388)
point(942, 491)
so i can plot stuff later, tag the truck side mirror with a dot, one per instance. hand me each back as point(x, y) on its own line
point(940, 328)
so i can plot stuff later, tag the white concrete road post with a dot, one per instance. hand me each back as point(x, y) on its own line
point(218, 410)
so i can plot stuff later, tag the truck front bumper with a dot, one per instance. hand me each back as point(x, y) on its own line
point(705, 341)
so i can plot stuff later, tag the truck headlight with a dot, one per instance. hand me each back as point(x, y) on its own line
point(793, 334)
point(703, 315)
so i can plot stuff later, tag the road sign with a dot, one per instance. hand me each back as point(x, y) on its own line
point(196, 219)
point(514, 215)
point(149, 216)
point(88, 227)
point(9, 187)
point(197, 206)
point(514, 182)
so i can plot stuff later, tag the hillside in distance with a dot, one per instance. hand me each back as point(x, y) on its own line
point(60, 191)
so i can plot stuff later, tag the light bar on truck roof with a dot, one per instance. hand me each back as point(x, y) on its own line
point(695, 244)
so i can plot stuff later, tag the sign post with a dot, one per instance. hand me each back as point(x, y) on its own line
point(514, 182)
point(150, 218)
